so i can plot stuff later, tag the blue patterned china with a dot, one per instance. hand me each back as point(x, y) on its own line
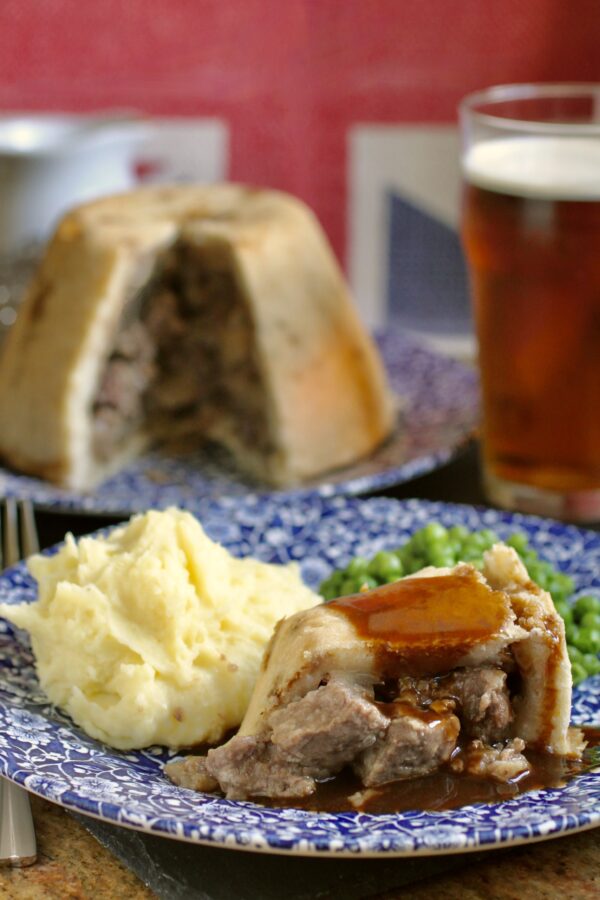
point(440, 413)
point(44, 751)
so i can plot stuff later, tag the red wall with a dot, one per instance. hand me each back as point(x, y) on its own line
point(289, 76)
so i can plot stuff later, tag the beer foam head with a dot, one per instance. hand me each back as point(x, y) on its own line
point(551, 168)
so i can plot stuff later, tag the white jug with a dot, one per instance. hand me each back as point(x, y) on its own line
point(49, 163)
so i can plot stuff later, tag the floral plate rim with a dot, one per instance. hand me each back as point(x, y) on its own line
point(102, 776)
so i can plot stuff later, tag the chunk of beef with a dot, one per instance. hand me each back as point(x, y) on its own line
point(327, 728)
point(247, 766)
point(483, 701)
point(310, 738)
point(191, 773)
point(501, 762)
point(416, 742)
point(127, 374)
point(481, 695)
point(124, 381)
point(177, 390)
point(416, 691)
point(162, 316)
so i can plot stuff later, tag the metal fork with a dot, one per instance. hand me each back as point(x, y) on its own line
point(17, 834)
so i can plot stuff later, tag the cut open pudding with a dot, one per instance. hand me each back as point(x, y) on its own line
point(445, 669)
point(190, 313)
point(184, 365)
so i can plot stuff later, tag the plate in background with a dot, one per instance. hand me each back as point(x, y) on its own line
point(46, 753)
point(441, 413)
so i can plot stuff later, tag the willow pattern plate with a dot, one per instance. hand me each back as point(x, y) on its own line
point(45, 752)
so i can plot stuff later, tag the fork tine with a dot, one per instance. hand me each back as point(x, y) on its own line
point(29, 537)
point(10, 533)
point(17, 832)
point(17, 835)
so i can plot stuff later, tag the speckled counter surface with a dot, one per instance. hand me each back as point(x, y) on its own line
point(73, 864)
point(566, 868)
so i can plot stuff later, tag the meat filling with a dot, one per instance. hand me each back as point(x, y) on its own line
point(119, 405)
point(327, 728)
point(248, 766)
point(415, 743)
point(184, 356)
point(309, 739)
point(483, 702)
point(192, 773)
point(500, 762)
point(481, 696)
point(461, 720)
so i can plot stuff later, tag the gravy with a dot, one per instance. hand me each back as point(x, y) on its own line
point(425, 625)
point(444, 789)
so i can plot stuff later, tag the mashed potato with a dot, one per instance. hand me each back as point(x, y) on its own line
point(154, 635)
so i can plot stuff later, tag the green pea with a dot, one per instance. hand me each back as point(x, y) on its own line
point(590, 619)
point(406, 553)
point(441, 557)
point(385, 566)
point(417, 541)
point(412, 563)
point(473, 545)
point(349, 586)
point(550, 583)
point(571, 631)
point(531, 561)
point(471, 554)
point(565, 582)
point(578, 672)
point(488, 537)
point(588, 640)
point(587, 603)
point(434, 532)
point(535, 573)
point(561, 595)
point(575, 655)
point(357, 566)
point(518, 541)
point(564, 610)
point(454, 549)
point(329, 587)
point(591, 663)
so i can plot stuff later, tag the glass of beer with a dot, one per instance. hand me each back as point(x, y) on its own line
point(531, 234)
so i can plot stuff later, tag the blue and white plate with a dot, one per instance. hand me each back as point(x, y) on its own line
point(440, 413)
point(44, 751)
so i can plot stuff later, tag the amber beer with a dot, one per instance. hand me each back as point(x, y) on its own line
point(531, 232)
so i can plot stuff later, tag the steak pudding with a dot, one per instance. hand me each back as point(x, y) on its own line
point(197, 313)
point(449, 672)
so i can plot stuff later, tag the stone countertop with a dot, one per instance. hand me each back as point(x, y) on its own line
point(73, 865)
point(566, 868)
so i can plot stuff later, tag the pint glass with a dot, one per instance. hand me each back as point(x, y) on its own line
point(531, 234)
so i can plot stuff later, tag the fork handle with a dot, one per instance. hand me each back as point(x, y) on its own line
point(17, 837)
